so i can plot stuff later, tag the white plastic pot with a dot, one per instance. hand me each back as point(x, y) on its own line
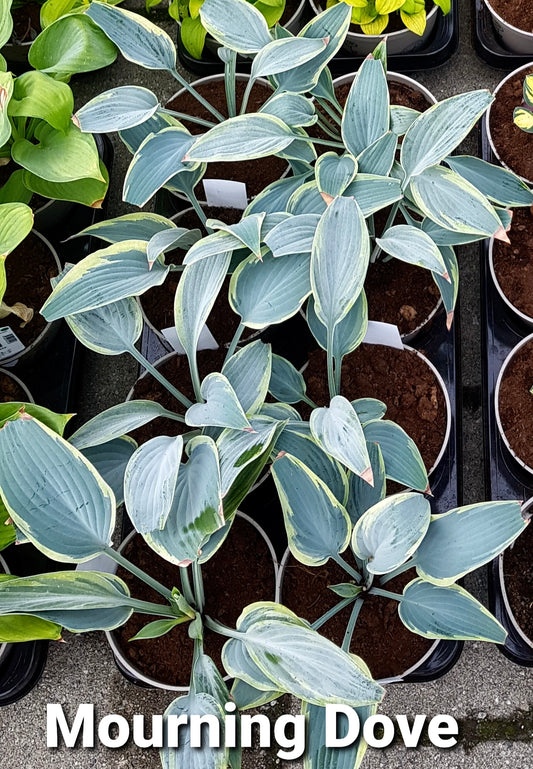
point(29, 396)
point(516, 40)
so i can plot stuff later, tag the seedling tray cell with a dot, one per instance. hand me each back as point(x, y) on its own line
point(487, 43)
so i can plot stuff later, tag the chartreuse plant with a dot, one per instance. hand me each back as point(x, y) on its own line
point(523, 115)
point(16, 221)
point(373, 16)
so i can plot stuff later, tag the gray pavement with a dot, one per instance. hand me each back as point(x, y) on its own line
point(491, 698)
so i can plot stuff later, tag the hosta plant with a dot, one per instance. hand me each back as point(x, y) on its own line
point(373, 16)
point(16, 221)
point(523, 115)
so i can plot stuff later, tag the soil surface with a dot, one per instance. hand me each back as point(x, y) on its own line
point(158, 302)
point(257, 174)
point(400, 379)
point(232, 580)
point(26, 23)
point(380, 637)
point(518, 13)
point(516, 403)
point(513, 264)
point(10, 390)
point(29, 269)
point(518, 573)
point(514, 146)
point(291, 6)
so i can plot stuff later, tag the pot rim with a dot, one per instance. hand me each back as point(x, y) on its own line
point(21, 384)
point(504, 365)
point(503, 588)
point(147, 680)
point(394, 35)
point(19, 356)
point(506, 23)
point(389, 680)
point(525, 318)
point(486, 119)
point(5, 569)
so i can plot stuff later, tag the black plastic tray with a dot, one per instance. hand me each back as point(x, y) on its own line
point(441, 46)
point(487, 43)
point(504, 477)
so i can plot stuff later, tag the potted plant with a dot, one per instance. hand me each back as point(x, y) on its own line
point(513, 25)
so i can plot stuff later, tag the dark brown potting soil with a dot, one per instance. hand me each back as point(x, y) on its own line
point(380, 636)
point(291, 6)
point(158, 302)
point(257, 174)
point(515, 403)
point(29, 269)
point(10, 390)
point(518, 573)
point(232, 580)
point(518, 13)
point(513, 263)
point(514, 146)
point(400, 379)
point(176, 370)
point(26, 23)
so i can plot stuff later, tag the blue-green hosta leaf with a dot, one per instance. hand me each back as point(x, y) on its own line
point(440, 129)
point(238, 449)
point(317, 524)
point(443, 237)
point(361, 495)
point(297, 659)
point(390, 531)
point(275, 197)
point(324, 89)
point(244, 137)
point(449, 290)
point(496, 183)
point(334, 173)
point(134, 137)
point(197, 291)
point(159, 158)
point(139, 41)
point(286, 383)
point(294, 109)
point(401, 118)
point(247, 696)
point(373, 193)
point(6, 91)
point(450, 612)
point(338, 431)
point(288, 53)
point(303, 447)
point(403, 462)
point(80, 601)
point(15, 628)
point(177, 237)
point(280, 411)
point(306, 199)
point(247, 231)
point(107, 275)
point(379, 156)
point(270, 291)
point(212, 245)
point(293, 235)
point(68, 515)
point(465, 538)
point(339, 261)
point(110, 461)
point(117, 421)
point(249, 372)
point(366, 113)
point(221, 407)
point(413, 246)
point(140, 226)
point(117, 109)
point(236, 24)
point(368, 409)
point(150, 482)
point(196, 508)
point(453, 203)
point(109, 330)
point(202, 756)
point(347, 334)
point(238, 658)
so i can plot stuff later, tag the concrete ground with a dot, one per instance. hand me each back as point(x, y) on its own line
point(491, 698)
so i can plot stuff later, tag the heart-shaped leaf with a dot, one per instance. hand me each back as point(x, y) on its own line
point(222, 407)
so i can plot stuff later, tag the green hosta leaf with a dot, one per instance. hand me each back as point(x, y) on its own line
point(40, 96)
point(236, 24)
point(496, 183)
point(221, 407)
point(373, 193)
point(317, 524)
point(150, 482)
point(56, 422)
point(388, 533)
point(6, 21)
point(334, 173)
point(347, 334)
point(6, 91)
point(440, 129)
point(294, 109)
point(270, 291)
point(249, 372)
point(68, 516)
point(244, 137)
point(117, 109)
point(467, 537)
point(362, 496)
point(110, 460)
point(204, 757)
point(523, 118)
point(117, 421)
point(51, 10)
point(339, 261)
point(15, 628)
point(453, 203)
point(88, 192)
point(293, 235)
point(282, 55)
point(138, 39)
point(286, 383)
point(70, 45)
point(449, 612)
point(141, 226)
point(196, 509)
point(366, 113)
point(413, 246)
point(528, 90)
point(16, 221)
point(193, 35)
point(403, 462)
point(13, 190)
point(7, 530)
point(158, 628)
point(338, 431)
point(109, 330)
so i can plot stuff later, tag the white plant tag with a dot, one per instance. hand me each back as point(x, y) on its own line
point(10, 344)
point(206, 341)
point(222, 192)
point(383, 333)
